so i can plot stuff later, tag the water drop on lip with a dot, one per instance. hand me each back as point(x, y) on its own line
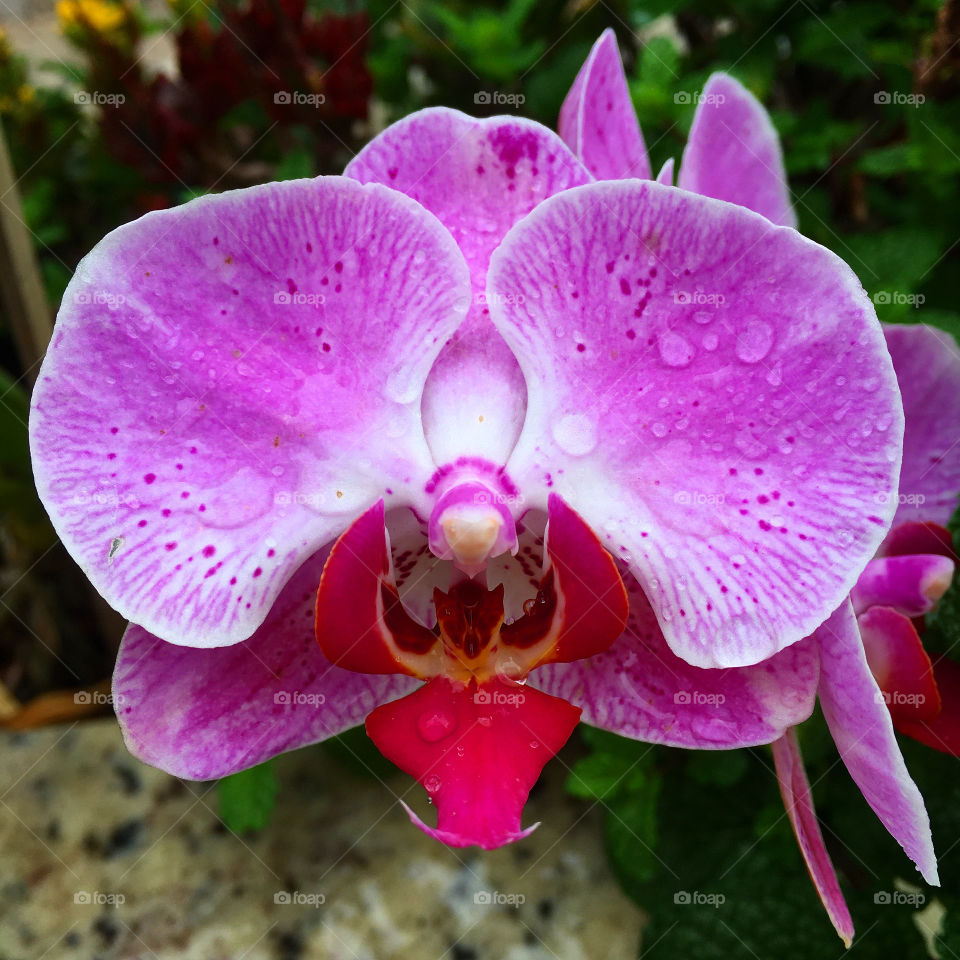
point(675, 350)
point(434, 725)
point(754, 341)
point(575, 434)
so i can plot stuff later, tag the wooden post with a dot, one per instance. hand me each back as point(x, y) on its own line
point(21, 287)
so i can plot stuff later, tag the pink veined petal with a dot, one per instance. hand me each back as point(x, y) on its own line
point(665, 176)
point(597, 119)
point(478, 177)
point(259, 358)
point(853, 706)
point(640, 689)
point(202, 714)
point(733, 152)
point(698, 384)
point(507, 734)
point(927, 362)
point(798, 801)
point(911, 584)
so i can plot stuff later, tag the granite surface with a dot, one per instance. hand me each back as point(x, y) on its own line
point(106, 858)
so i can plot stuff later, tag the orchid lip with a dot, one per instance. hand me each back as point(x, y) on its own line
point(469, 525)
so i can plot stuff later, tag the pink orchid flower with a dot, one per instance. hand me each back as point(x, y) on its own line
point(733, 154)
point(450, 412)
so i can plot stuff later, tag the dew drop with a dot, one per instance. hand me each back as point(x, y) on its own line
point(675, 350)
point(575, 434)
point(434, 725)
point(710, 341)
point(659, 429)
point(432, 784)
point(754, 341)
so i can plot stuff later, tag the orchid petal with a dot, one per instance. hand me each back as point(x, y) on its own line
point(597, 119)
point(665, 176)
point(640, 689)
point(927, 362)
point(798, 801)
point(478, 177)
point(476, 750)
point(919, 538)
point(725, 453)
point(943, 731)
point(248, 385)
point(899, 664)
point(202, 714)
point(361, 623)
point(853, 706)
point(733, 152)
point(911, 585)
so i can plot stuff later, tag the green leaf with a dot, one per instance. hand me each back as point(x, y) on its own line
point(247, 798)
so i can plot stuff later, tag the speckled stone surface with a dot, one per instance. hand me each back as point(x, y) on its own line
point(106, 858)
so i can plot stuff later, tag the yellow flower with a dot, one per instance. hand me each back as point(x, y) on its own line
point(101, 15)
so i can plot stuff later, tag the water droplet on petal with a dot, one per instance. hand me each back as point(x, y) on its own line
point(754, 341)
point(575, 434)
point(434, 725)
point(432, 784)
point(710, 341)
point(675, 350)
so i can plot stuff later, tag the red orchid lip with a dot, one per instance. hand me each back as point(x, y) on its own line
point(474, 735)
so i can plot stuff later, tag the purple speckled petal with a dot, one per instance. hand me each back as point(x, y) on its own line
point(201, 714)
point(479, 177)
point(927, 362)
point(640, 689)
point(230, 382)
point(733, 152)
point(713, 395)
point(798, 802)
point(857, 716)
point(597, 120)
